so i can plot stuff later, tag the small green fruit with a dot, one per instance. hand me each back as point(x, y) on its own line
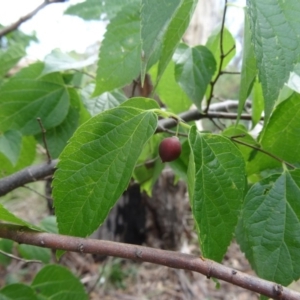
point(169, 149)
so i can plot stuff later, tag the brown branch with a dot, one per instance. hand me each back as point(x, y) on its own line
point(222, 29)
point(25, 18)
point(26, 261)
point(170, 259)
point(29, 174)
point(193, 115)
point(222, 57)
point(38, 172)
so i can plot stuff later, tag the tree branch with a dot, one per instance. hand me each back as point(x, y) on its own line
point(29, 174)
point(222, 57)
point(25, 18)
point(257, 148)
point(170, 259)
point(38, 172)
point(26, 261)
point(194, 115)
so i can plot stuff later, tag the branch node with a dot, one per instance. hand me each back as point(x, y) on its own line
point(81, 248)
point(138, 253)
point(278, 289)
point(43, 130)
point(210, 269)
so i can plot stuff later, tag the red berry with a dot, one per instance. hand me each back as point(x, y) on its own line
point(169, 149)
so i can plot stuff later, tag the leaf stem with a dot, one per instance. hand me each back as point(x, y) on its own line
point(234, 138)
point(177, 133)
point(26, 261)
point(166, 114)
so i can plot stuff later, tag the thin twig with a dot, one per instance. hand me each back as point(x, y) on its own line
point(134, 86)
point(234, 138)
point(84, 72)
point(170, 259)
point(43, 130)
point(148, 163)
point(38, 193)
point(231, 72)
point(228, 52)
point(26, 261)
point(162, 129)
point(222, 29)
point(104, 264)
point(222, 57)
point(25, 18)
point(215, 123)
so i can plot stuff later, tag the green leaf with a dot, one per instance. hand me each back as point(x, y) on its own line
point(275, 31)
point(180, 165)
point(249, 70)
point(119, 59)
point(96, 166)
point(98, 9)
point(9, 57)
point(179, 21)
point(58, 61)
point(141, 103)
point(294, 79)
point(286, 93)
point(10, 145)
point(6, 246)
point(56, 282)
point(24, 98)
point(156, 18)
point(257, 103)
point(280, 137)
point(26, 157)
point(102, 102)
point(49, 224)
point(269, 227)
point(240, 130)
point(87, 10)
point(35, 253)
point(217, 177)
point(8, 217)
point(169, 91)
point(149, 166)
point(194, 68)
point(17, 291)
